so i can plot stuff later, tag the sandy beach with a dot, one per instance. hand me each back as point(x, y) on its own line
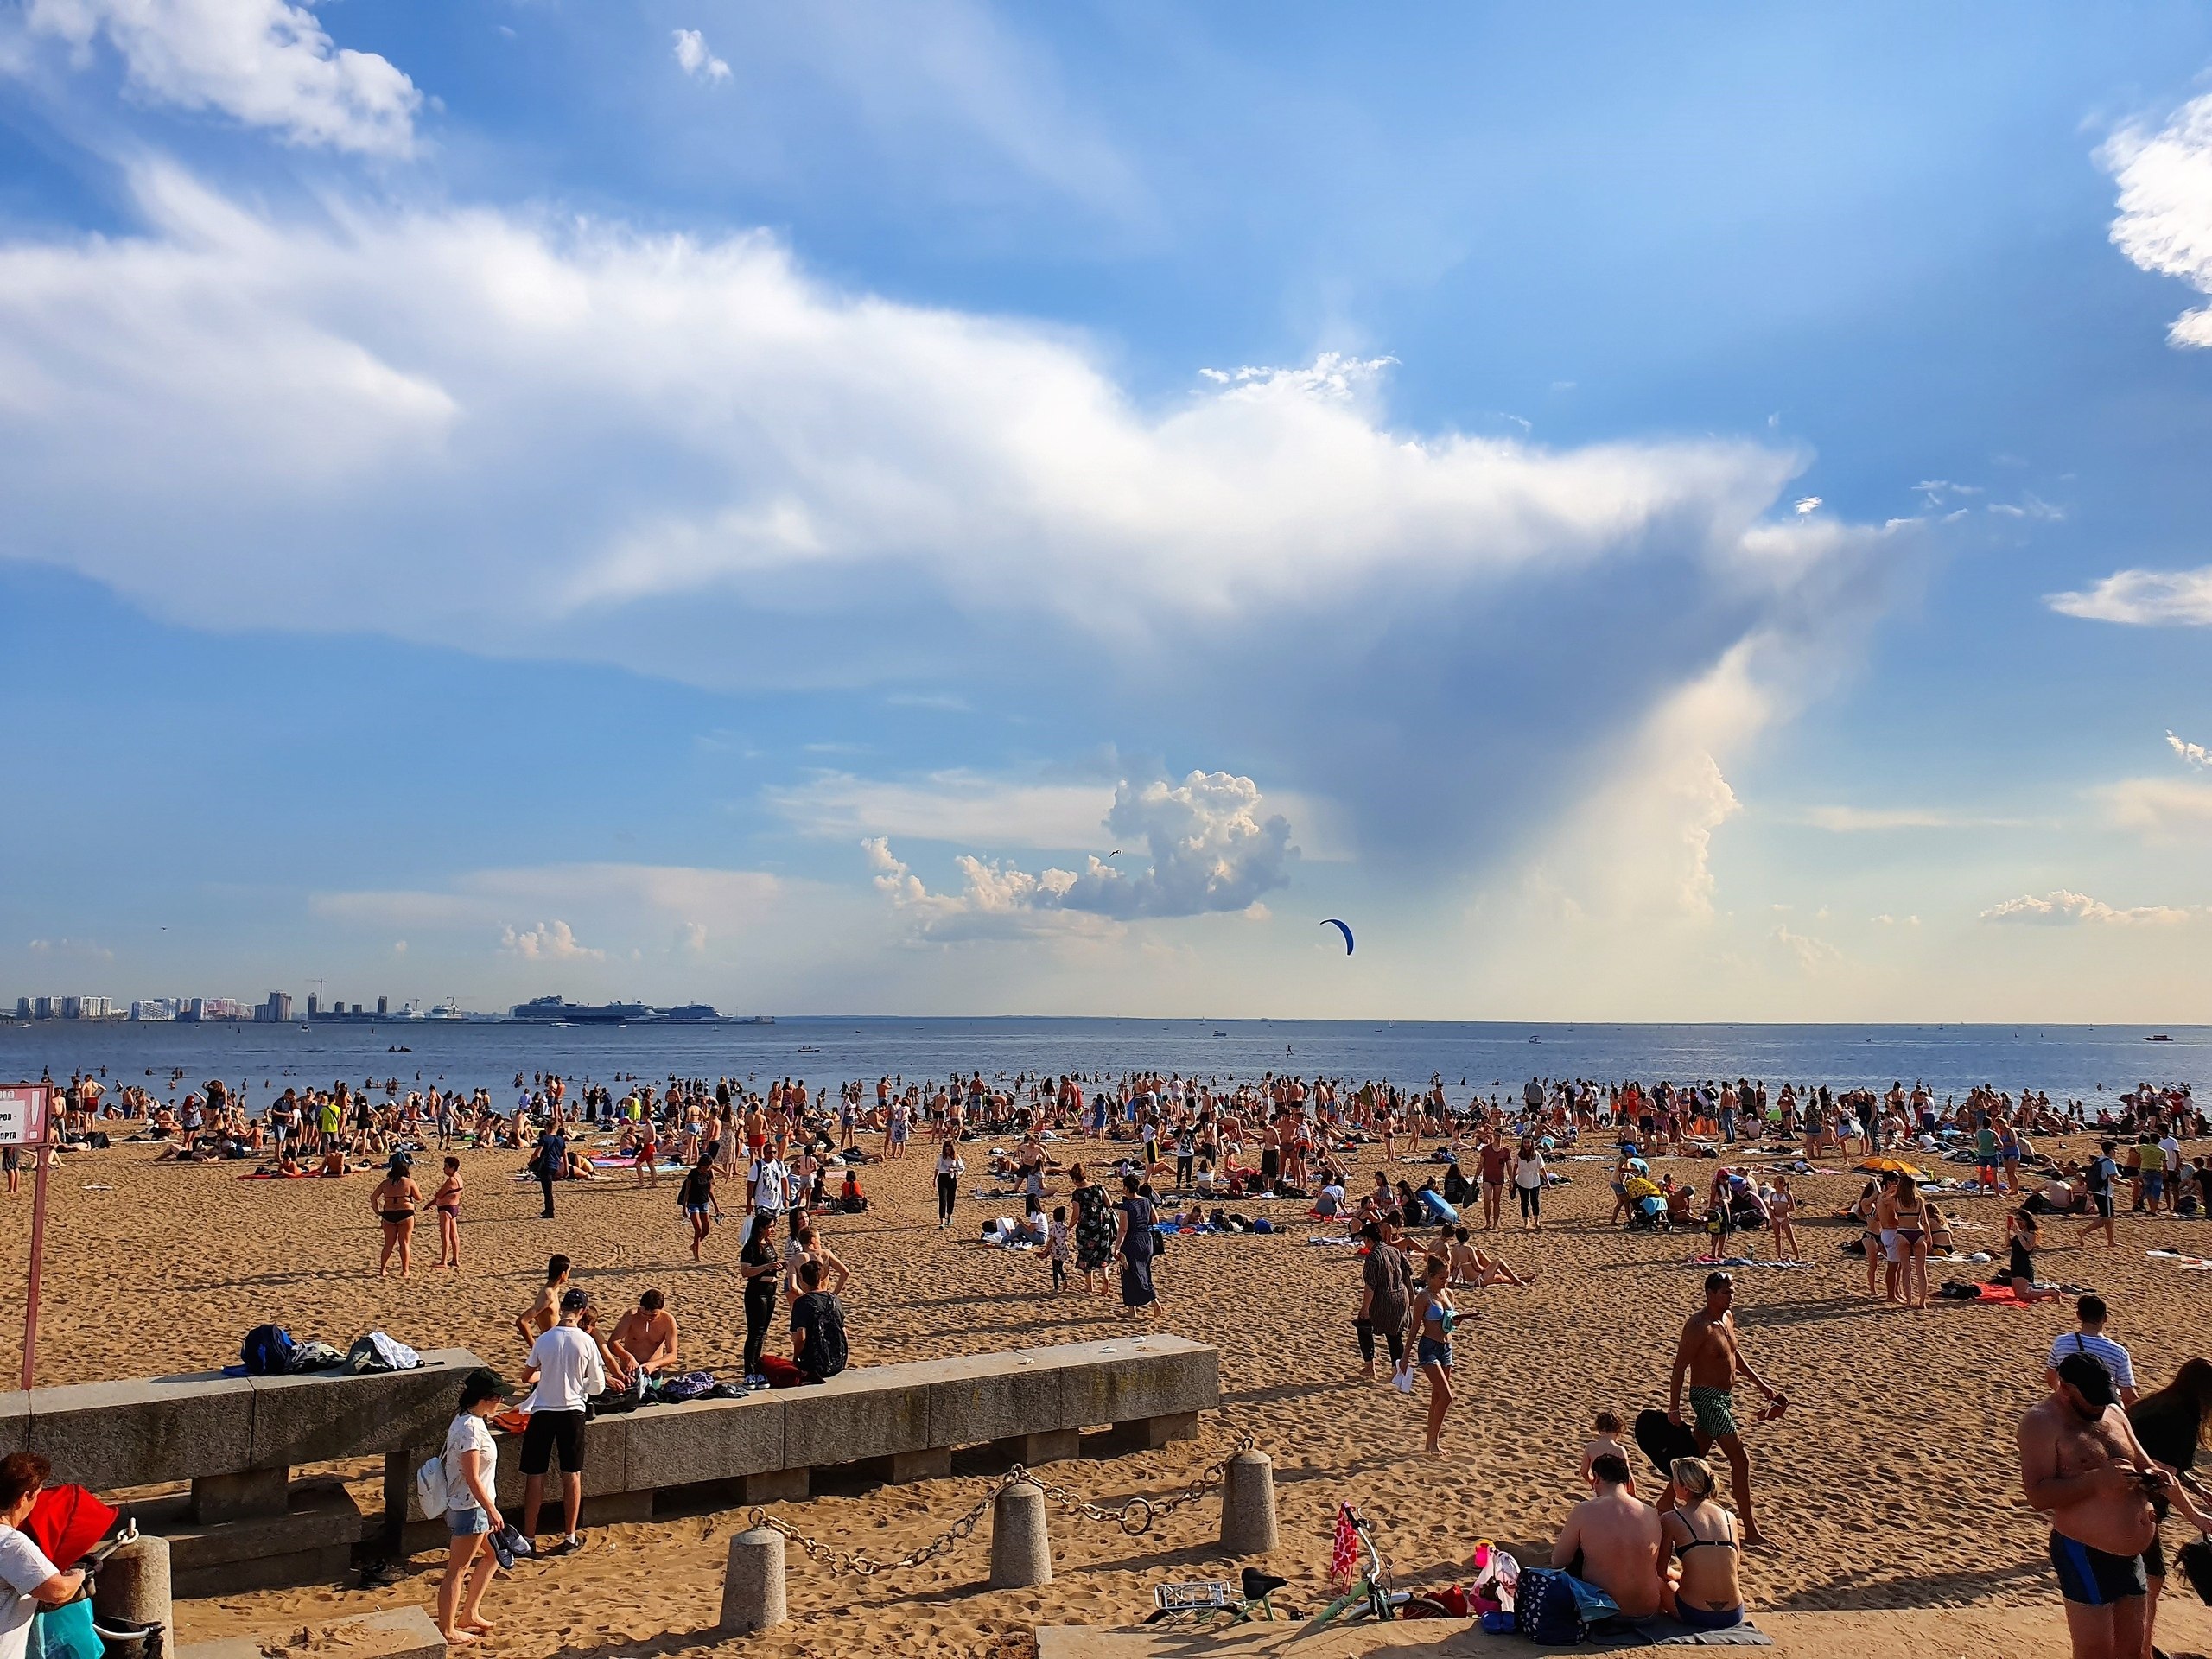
point(1890, 1484)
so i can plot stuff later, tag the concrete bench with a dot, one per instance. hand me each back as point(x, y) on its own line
point(236, 1440)
point(1033, 1403)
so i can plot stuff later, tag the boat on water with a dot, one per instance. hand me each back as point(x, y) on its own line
point(557, 1011)
point(2160, 1038)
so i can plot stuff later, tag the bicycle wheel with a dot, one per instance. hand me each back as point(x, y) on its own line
point(1425, 1607)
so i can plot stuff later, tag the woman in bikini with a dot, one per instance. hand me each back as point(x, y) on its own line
point(1700, 1534)
point(1910, 1210)
point(394, 1200)
point(1433, 1318)
point(446, 1202)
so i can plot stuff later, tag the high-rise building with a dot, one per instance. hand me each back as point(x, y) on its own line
point(43, 1008)
point(22, 1007)
point(383, 1005)
point(72, 1007)
point(278, 1007)
point(313, 1006)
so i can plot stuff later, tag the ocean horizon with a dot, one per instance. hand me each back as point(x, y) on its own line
point(2081, 1062)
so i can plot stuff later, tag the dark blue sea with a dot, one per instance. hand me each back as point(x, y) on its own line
point(2065, 1061)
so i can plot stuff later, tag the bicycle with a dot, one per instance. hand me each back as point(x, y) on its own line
point(1369, 1595)
point(1209, 1602)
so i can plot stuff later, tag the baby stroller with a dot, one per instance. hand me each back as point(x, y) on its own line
point(1648, 1214)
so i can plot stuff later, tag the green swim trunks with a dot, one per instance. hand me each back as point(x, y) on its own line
point(1715, 1410)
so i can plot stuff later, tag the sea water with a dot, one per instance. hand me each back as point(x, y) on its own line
point(2077, 1062)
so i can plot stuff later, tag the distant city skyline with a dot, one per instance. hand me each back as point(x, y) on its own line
point(972, 509)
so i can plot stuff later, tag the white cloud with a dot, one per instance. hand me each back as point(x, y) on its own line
point(2063, 908)
point(951, 806)
point(2192, 754)
point(1852, 820)
point(2160, 809)
point(413, 421)
point(1887, 921)
point(547, 942)
point(2165, 205)
point(609, 897)
point(81, 950)
point(2144, 598)
point(264, 62)
point(696, 61)
point(1211, 850)
point(2029, 507)
point(1640, 844)
point(1806, 505)
point(1811, 955)
point(691, 937)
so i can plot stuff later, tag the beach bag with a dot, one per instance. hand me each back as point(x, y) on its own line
point(1545, 1610)
point(65, 1632)
point(692, 1385)
point(431, 1490)
point(266, 1351)
point(2195, 1559)
point(379, 1352)
point(314, 1357)
point(1263, 1225)
point(780, 1372)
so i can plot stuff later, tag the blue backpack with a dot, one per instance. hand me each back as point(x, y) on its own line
point(267, 1351)
point(1556, 1608)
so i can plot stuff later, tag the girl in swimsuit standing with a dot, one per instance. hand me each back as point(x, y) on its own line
point(1910, 1210)
point(446, 1202)
point(394, 1201)
point(1433, 1318)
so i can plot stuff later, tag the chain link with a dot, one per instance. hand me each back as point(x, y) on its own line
point(1135, 1517)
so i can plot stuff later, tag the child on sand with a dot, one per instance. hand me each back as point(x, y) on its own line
point(1057, 1247)
point(1780, 1207)
point(1606, 1443)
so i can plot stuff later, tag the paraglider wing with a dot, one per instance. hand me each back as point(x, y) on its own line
point(1343, 928)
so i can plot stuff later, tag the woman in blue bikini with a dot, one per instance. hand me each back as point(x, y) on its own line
point(1433, 1320)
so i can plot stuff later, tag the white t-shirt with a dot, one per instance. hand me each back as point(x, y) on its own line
point(23, 1568)
point(1529, 1171)
point(469, 1432)
point(2103, 1349)
point(569, 1371)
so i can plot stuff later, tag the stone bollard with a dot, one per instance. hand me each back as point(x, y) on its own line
point(133, 1587)
point(1248, 1506)
point(1021, 1547)
point(753, 1588)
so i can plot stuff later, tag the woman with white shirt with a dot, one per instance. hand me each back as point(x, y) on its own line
point(470, 1459)
point(1529, 1186)
point(950, 1167)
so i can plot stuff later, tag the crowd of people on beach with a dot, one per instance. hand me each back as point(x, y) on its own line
point(1186, 1155)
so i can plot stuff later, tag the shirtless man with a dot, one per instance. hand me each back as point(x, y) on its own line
point(647, 1334)
point(1708, 1355)
point(1612, 1541)
point(2081, 1462)
point(539, 1318)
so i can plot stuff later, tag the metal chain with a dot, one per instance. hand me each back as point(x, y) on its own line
point(1135, 1517)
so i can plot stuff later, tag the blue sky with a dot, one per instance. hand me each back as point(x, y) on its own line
point(931, 508)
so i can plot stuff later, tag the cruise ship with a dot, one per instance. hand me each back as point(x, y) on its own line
point(557, 1011)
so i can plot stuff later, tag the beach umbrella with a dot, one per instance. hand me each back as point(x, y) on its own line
point(1883, 1166)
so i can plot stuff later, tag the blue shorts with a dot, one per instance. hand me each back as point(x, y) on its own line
point(2094, 1579)
point(2154, 1184)
point(1429, 1352)
point(468, 1520)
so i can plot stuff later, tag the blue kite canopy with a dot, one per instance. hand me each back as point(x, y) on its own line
point(1343, 928)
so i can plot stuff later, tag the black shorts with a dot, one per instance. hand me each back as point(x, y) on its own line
point(2102, 1201)
point(548, 1430)
point(2091, 1577)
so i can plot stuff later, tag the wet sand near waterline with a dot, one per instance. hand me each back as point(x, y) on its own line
point(1890, 1482)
